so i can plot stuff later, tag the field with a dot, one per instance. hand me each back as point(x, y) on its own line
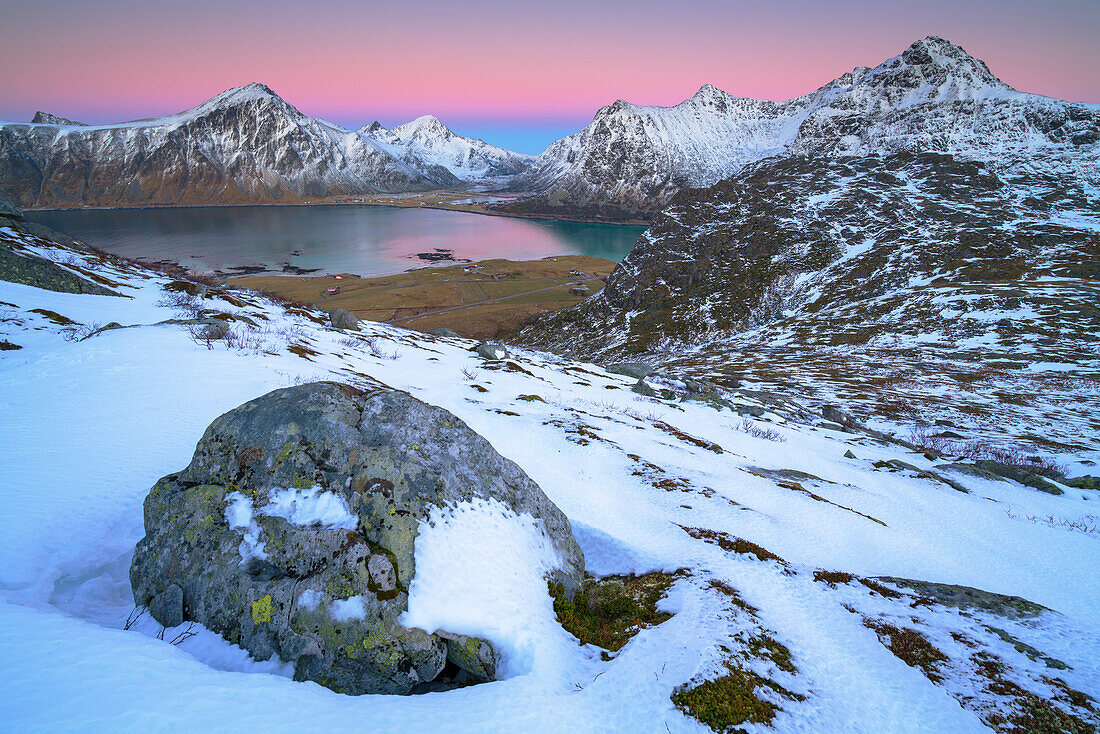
point(495, 297)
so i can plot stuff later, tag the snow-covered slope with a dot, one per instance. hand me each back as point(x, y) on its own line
point(244, 145)
point(429, 140)
point(88, 426)
point(932, 97)
point(894, 283)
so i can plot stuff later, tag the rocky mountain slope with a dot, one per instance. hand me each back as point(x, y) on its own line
point(246, 145)
point(426, 139)
point(895, 283)
point(934, 96)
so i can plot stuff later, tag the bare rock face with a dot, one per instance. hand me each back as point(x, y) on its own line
point(292, 533)
point(341, 318)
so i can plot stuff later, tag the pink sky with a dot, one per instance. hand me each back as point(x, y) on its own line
point(512, 63)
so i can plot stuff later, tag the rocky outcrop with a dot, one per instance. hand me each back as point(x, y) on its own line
point(631, 160)
point(292, 533)
point(45, 118)
point(17, 265)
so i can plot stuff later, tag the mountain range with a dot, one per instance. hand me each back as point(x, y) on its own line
point(934, 96)
point(248, 145)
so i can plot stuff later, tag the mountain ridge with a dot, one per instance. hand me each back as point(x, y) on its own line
point(244, 145)
point(934, 96)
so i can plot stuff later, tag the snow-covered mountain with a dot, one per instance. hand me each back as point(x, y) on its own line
point(245, 145)
point(933, 97)
point(429, 140)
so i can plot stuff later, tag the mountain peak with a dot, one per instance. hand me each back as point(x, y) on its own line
point(933, 53)
point(242, 94)
point(423, 128)
point(45, 118)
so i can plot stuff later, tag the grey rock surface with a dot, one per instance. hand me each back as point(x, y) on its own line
point(492, 351)
point(341, 318)
point(637, 370)
point(445, 332)
point(327, 595)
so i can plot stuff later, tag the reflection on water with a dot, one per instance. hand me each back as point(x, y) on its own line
point(354, 239)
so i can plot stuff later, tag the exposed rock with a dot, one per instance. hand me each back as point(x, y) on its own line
point(445, 332)
point(8, 210)
point(213, 330)
point(966, 598)
point(341, 318)
point(1019, 474)
point(849, 455)
point(836, 415)
point(491, 351)
point(41, 273)
point(45, 118)
point(643, 388)
point(637, 370)
point(241, 535)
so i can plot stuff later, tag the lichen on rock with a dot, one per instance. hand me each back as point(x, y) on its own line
point(292, 533)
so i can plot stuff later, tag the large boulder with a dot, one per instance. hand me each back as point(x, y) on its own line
point(292, 533)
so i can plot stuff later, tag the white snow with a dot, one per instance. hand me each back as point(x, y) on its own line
point(313, 506)
point(89, 426)
point(480, 571)
point(239, 514)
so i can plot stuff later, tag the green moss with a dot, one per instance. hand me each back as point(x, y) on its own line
point(262, 610)
point(608, 612)
point(730, 700)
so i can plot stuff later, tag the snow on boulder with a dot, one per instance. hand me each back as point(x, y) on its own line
point(293, 530)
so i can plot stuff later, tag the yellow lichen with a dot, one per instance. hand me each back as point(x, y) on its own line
point(262, 610)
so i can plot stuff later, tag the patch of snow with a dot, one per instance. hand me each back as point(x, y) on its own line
point(313, 506)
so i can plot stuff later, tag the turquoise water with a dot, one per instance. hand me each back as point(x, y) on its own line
point(364, 240)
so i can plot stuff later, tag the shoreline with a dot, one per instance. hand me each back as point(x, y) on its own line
point(396, 203)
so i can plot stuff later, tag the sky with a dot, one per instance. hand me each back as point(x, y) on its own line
point(518, 74)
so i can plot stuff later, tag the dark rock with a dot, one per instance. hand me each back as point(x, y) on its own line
point(969, 598)
point(491, 351)
point(1018, 474)
point(445, 332)
point(836, 415)
point(167, 606)
point(637, 370)
point(42, 273)
point(849, 455)
point(642, 388)
point(341, 318)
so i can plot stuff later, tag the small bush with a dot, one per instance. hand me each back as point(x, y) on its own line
point(768, 434)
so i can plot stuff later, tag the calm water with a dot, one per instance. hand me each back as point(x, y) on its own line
point(362, 240)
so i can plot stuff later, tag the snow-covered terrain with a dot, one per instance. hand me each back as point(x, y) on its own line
point(246, 145)
point(429, 140)
point(932, 97)
point(90, 424)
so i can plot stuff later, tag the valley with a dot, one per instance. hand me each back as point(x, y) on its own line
point(482, 300)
